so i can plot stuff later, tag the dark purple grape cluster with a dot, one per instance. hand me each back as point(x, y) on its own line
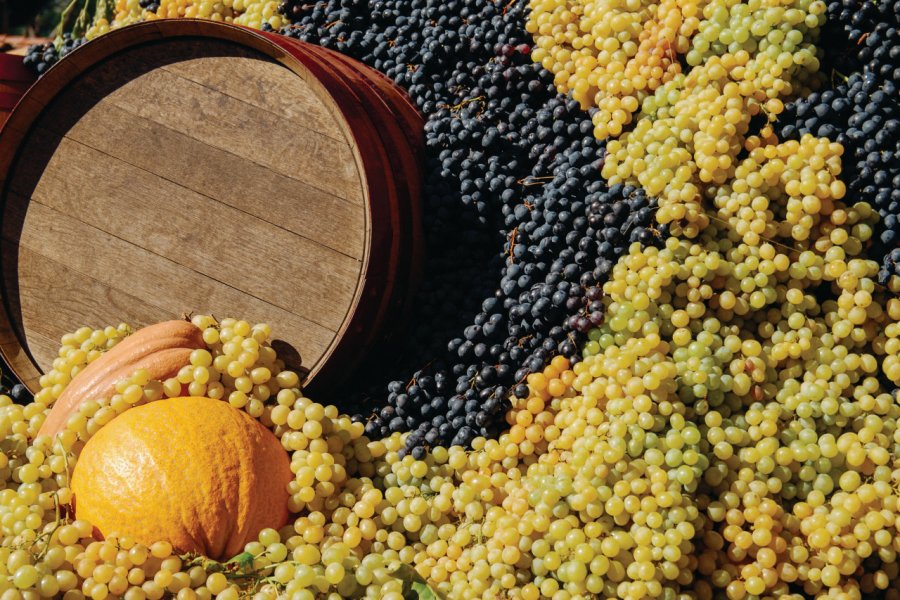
point(520, 228)
point(862, 34)
point(41, 57)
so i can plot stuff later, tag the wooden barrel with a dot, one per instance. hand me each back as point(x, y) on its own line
point(188, 166)
point(15, 78)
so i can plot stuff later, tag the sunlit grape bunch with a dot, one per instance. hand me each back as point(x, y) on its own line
point(745, 59)
point(611, 54)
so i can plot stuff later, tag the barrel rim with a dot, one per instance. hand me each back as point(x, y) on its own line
point(384, 203)
point(404, 170)
point(399, 122)
point(413, 131)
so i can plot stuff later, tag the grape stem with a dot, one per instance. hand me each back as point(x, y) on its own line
point(512, 243)
point(508, 6)
point(458, 107)
point(530, 180)
point(49, 536)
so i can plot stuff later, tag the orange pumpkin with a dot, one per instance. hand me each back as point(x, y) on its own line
point(195, 472)
point(162, 349)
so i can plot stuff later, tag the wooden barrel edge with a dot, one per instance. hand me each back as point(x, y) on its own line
point(389, 117)
point(393, 94)
point(12, 68)
point(408, 164)
point(409, 123)
point(405, 168)
point(415, 125)
point(381, 277)
point(391, 88)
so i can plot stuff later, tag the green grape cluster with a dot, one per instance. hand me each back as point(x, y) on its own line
point(781, 342)
point(611, 54)
point(687, 129)
point(780, 339)
point(249, 13)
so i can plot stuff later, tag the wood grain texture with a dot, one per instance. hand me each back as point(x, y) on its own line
point(57, 294)
point(198, 232)
point(289, 204)
point(264, 86)
point(226, 124)
point(127, 266)
point(197, 167)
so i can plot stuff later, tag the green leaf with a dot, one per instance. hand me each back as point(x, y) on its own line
point(424, 592)
point(244, 561)
point(414, 585)
point(64, 17)
point(84, 18)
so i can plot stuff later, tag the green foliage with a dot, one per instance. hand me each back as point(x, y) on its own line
point(414, 585)
point(89, 12)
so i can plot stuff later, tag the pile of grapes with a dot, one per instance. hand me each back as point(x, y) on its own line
point(519, 226)
point(680, 348)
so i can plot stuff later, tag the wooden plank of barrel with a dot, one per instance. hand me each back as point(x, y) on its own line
point(182, 165)
point(18, 44)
